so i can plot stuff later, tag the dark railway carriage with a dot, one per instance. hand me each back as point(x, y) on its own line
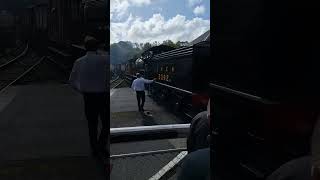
point(26, 24)
point(34, 25)
point(95, 18)
point(65, 22)
point(7, 30)
point(265, 90)
point(39, 26)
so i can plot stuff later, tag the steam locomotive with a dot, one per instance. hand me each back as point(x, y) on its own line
point(178, 75)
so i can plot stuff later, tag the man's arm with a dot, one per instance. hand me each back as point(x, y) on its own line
point(73, 79)
point(132, 86)
point(148, 81)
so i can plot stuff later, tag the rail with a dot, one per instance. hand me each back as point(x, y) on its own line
point(16, 58)
point(54, 50)
point(144, 166)
point(116, 85)
point(142, 133)
point(21, 75)
point(114, 80)
point(147, 153)
point(11, 52)
point(62, 67)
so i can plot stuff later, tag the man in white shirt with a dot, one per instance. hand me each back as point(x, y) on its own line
point(89, 77)
point(138, 86)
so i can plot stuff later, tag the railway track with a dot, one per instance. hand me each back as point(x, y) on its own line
point(116, 83)
point(59, 65)
point(5, 58)
point(11, 72)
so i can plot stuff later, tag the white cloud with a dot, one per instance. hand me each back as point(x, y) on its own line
point(199, 10)
point(194, 2)
point(118, 8)
point(140, 2)
point(156, 28)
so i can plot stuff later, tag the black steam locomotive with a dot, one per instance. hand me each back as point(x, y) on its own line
point(177, 74)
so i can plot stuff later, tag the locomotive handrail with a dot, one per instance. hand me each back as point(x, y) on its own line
point(171, 87)
point(175, 88)
point(142, 133)
point(242, 94)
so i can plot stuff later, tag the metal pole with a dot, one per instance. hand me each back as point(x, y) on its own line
point(142, 133)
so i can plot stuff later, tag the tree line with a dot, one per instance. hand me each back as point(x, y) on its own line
point(122, 51)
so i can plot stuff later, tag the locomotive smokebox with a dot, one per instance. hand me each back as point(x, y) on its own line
point(139, 63)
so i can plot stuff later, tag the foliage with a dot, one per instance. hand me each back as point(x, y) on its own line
point(124, 50)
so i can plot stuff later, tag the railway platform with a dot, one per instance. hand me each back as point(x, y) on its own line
point(43, 134)
point(124, 111)
point(143, 159)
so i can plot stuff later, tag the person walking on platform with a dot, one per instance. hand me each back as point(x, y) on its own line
point(138, 86)
point(89, 77)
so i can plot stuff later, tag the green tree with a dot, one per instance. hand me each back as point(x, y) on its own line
point(146, 46)
point(169, 43)
point(181, 43)
point(155, 43)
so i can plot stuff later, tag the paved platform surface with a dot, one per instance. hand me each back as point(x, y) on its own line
point(43, 135)
point(124, 113)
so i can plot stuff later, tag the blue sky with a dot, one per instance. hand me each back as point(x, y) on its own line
point(158, 20)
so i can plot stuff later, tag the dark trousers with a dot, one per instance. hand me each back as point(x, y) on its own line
point(95, 105)
point(141, 99)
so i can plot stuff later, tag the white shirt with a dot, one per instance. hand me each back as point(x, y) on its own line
point(138, 84)
point(89, 73)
